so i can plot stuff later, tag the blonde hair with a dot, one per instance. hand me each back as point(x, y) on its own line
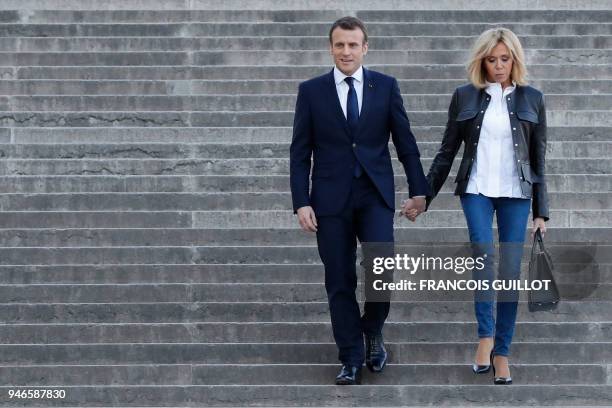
point(483, 47)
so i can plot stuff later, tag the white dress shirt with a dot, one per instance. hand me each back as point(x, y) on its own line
point(342, 87)
point(494, 173)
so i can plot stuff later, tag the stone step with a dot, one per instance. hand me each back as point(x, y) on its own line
point(235, 134)
point(13, 59)
point(277, 71)
point(330, 395)
point(251, 103)
point(145, 374)
point(561, 183)
point(433, 219)
point(230, 292)
point(581, 311)
point(247, 28)
point(319, 41)
point(564, 272)
point(292, 374)
point(420, 86)
point(249, 254)
point(96, 219)
point(295, 5)
point(283, 332)
point(302, 57)
point(227, 219)
point(489, 16)
point(255, 228)
point(182, 118)
point(554, 149)
point(293, 353)
point(583, 263)
point(236, 201)
point(260, 86)
point(533, 56)
point(277, 16)
point(211, 167)
point(269, 239)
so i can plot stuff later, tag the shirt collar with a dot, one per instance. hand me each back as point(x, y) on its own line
point(339, 75)
point(495, 87)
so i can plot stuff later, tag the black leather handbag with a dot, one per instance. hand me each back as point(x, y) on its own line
point(541, 268)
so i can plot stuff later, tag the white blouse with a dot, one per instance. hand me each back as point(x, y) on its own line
point(494, 172)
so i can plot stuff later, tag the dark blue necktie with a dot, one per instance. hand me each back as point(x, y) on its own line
point(352, 117)
point(352, 107)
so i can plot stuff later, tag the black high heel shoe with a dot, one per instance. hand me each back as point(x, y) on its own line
point(499, 380)
point(483, 369)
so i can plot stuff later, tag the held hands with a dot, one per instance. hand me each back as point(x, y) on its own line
point(307, 219)
point(412, 207)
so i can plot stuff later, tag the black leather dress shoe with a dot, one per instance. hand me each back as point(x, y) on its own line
point(349, 375)
point(376, 354)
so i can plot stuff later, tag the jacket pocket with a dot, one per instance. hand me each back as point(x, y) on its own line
point(466, 115)
point(528, 116)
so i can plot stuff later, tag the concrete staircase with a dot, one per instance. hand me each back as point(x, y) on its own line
point(148, 254)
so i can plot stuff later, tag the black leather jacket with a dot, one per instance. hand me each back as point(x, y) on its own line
point(528, 120)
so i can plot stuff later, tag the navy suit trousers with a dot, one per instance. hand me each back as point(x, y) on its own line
point(367, 217)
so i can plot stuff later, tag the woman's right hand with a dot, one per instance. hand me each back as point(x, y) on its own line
point(538, 223)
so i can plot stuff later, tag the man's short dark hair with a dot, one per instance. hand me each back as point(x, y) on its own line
point(349, 23)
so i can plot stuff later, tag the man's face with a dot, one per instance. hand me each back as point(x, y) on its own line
point(348, 49)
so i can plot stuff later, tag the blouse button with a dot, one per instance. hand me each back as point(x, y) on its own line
point(516, 145)
point(477, 127)
point(512, 113)
point(513, 128)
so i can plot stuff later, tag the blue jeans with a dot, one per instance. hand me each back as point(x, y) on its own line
point(512, 214)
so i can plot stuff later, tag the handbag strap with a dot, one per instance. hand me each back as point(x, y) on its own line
point(538, 238)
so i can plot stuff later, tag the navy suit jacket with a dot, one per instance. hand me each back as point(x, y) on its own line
point(320, 131)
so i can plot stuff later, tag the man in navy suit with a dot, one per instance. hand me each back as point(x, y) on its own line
point(342, 121)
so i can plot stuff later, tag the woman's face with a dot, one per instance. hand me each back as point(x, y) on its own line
point(498, 64)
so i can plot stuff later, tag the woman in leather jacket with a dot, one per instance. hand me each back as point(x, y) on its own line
point(502, 122)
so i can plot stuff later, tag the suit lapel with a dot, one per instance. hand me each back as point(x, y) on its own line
point(335, 101)
point(366, 98)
